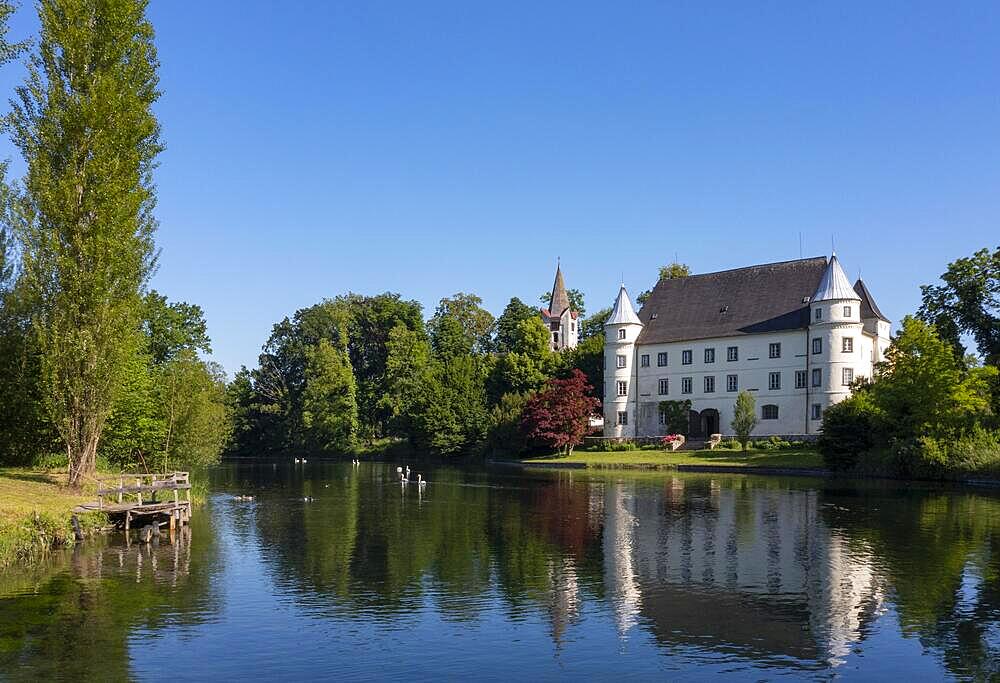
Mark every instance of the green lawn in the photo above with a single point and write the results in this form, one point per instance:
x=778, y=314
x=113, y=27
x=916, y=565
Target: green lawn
x=797, y=459
x=35, y=510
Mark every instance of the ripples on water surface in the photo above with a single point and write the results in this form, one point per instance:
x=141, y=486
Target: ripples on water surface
x=504, y=575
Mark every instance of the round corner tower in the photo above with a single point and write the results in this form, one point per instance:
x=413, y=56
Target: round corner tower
x=621, y=331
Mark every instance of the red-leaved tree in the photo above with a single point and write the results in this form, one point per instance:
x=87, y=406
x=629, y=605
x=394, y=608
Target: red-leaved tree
x=558, y=416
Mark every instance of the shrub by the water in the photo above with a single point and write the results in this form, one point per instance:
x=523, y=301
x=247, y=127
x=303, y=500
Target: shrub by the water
x=616, y=446
x=849, y=430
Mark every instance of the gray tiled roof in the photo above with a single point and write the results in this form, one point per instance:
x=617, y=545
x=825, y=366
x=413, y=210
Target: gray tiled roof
x=869, y=309
x=834, y=286
x=765, y=298
x=623, y=313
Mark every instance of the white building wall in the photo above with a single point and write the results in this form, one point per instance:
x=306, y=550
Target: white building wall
x=752, y=369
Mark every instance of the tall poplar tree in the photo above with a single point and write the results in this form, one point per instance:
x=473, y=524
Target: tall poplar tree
x=83, y=121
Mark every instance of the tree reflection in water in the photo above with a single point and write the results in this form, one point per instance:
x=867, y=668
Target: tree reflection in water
x=737, y=573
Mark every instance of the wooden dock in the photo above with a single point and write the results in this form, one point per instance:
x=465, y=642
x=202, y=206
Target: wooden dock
x=129, y=498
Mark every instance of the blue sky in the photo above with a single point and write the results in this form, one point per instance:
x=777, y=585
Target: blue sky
x=435, y=147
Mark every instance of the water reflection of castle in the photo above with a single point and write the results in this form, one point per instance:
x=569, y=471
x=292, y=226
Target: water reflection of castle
x=753, y=572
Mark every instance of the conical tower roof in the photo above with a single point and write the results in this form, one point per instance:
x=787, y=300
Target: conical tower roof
x=834, y=284
x=623, y=313
x=559, y=301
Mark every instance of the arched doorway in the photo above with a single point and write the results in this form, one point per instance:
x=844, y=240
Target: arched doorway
x=709, y=422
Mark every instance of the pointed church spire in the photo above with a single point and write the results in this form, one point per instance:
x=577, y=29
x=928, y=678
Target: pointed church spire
x=559, y=301
x=623, y=313
x=834, y=284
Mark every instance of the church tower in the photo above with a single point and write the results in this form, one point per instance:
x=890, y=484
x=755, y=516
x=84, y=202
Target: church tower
x=561, y=321
x=620, y=334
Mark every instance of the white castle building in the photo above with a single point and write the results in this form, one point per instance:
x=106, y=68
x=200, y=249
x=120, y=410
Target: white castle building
x=560, y=318
x=795, y=334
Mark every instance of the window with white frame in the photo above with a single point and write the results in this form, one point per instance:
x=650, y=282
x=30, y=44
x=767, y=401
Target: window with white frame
x=733, y=353
x=817, y=345
x=847, y=311
x=817, y=411
x=801, y=379
x=644, y=360
x=817, y=377
x=621, y=333
x=848, y=376
x=709, y=385
x=774, y=350
x=664, y=387
x=769, y=412
x=819, y=314
x=661, y=359
x=622, y=388
x=620, y=360
x=686, y=385
x=623, y=417
x=709, y=355
x=774, y=381
x=732, y=383
x=687, y=357
x=847, y=344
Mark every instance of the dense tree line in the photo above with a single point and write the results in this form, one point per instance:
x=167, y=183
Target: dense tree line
x=93, y=364
x=349, y=371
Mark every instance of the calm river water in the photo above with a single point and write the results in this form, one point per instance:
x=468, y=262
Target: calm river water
x=526, y=576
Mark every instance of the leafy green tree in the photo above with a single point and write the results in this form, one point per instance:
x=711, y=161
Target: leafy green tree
x=370, y=320
x=671, y=271
x=475, y=322
x=329, y=405
x=506, y=332
x=8, y=50
x=406, y=376
x=171, y=328
x=576, y=300
x=676, y=416
x=135, y=430
x=25, y=427
x=588, y=357
x=451, y=417
x=744, y=417
x=88, y=231
x=594, y=325
x=851, y=429
x=532, y=339
x=923, y=390
x=196, y=419
x=244, y=412
x=514, y=373
x=504, y=435
x=968, y=302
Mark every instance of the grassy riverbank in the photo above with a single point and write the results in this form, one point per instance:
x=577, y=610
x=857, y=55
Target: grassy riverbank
x=786, y=459
x=35, y=510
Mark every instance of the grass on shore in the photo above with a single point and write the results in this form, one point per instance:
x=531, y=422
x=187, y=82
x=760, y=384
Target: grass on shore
x=35, y=510
x=790, y=459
